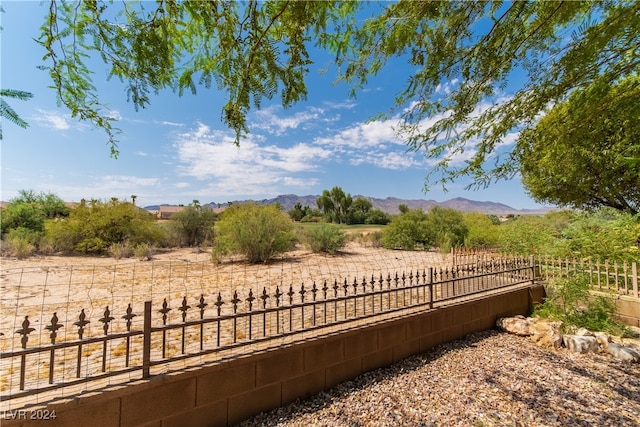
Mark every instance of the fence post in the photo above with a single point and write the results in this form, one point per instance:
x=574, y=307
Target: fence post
x=430, y=287
x=532, y=264
x=634, y=278
x=146, y=342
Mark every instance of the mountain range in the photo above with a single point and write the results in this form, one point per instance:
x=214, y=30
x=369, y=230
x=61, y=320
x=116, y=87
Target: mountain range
x=390, y=204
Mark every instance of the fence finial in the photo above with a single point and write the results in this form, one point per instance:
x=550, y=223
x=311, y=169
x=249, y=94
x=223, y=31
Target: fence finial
x=25, y=331
x=53, y=327
x=81, y=323
x=106, y=319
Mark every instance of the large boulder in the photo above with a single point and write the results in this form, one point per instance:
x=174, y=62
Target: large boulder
x=518, y=325
x=623, y=353
x=580, y=343
x=546, y=334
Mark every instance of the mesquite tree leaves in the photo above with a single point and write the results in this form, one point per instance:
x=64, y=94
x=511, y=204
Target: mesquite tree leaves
x=578, y=155
x=462, y=56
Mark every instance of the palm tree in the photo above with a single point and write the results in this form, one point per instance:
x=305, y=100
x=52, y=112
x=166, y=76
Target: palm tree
x=8, y=112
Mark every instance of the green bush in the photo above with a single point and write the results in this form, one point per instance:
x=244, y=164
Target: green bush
x=328, y=238
x=93, y=227
x=30, y=210
x=445, y=228
x=569, y=301
x=258, y=232
x=405, y=231
x=194, y=224
x=602, y=235
x=440, y=227
x=377, y=217
x=483, y=230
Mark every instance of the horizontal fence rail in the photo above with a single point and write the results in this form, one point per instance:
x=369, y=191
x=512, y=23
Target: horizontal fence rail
x=212, y=324
x=619, y=278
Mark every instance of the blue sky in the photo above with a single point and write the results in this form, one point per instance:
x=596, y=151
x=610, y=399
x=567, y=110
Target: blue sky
x=178, y=149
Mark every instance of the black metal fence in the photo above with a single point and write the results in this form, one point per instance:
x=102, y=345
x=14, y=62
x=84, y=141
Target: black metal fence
x=211, y=325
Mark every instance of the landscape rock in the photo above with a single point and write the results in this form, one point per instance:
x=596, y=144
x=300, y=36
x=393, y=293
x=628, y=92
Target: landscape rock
x=635, y=347
x=623, y=353
x=545, y=334
x=518, y=325
x=603, y=339
x=580, y=343
x=584, y=332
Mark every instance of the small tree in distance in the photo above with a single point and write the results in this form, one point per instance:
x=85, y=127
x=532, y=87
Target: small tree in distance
x=335, y=204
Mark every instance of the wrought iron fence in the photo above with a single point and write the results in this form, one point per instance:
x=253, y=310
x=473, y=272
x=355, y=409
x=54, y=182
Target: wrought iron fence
x=212, y=325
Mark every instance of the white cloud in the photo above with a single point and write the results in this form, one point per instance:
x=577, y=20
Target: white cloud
x=127, y=182
x=269, y=120
x=367, y=135
x=344, y=105
x=386, y=160
x=253, y=168
x=115, y=115
x=52, y=120
x=167, y=123
x=447, y=87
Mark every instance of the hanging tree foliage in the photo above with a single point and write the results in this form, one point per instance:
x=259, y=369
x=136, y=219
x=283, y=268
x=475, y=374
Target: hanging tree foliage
x=257, y=49
x=584, y=153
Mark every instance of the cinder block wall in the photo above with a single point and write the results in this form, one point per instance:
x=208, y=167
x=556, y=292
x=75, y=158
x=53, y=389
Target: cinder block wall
x=628, y=309
x=232, y=391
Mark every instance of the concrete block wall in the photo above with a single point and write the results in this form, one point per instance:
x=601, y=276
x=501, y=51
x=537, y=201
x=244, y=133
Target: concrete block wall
x=628, y=309
x=234, y=390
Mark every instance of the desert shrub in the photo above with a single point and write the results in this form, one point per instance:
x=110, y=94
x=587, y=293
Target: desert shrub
x=483, y=230
x=569, y=301
x=45, y=246
x=440, y=227
x=194, y=224
x=29, y=210
x=143, y=251
x=606, y=234
x=29, y=235
x=25, y=216
x=93, y=227
x=377, y=217
x=22, y=215
x=405, y=231
x=601, y=235
x=168, y=235
x=527, y=234
x=445, y=228
x=19, y=246
x=328, y=238
x=258, y=232
x=120, y=250
x=372, y=239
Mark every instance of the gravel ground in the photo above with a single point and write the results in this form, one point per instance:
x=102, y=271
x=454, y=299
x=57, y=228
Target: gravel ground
x=488, y=379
